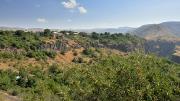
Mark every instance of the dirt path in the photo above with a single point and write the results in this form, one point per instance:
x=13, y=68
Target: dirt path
x=7, y=97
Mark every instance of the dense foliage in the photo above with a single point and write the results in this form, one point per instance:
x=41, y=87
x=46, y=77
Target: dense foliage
x=19, y=39
x=107, y=38
x=109, y=77
x=113, y=78
x=20, y=44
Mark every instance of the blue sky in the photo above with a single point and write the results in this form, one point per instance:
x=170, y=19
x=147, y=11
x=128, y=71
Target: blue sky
x=66, y=14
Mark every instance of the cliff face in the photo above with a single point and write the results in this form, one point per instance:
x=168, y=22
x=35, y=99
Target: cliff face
x=163, y=48
x=159, y=47
x=176, y=58
x=54, y=45
x=59, y=45
x=161, y=38
x=126, y=47
x=176, y=55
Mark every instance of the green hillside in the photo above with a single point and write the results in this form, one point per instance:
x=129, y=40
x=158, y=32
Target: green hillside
x=97, y=73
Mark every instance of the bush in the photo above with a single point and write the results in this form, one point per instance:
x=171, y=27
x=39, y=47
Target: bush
x=19, y=32
x=5, y=82
x=54, y=69
x=14, y=93
x=88, y=51
x=6, y=55
x=75, y=53
x=7, y=79
x=51, y=54
x=63, y=52
x=78, y=60
x=30, y=82
x=41, y=54
x=22, y=80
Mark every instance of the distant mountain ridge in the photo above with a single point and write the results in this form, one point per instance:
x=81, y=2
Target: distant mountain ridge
x=162, y=30
x=161, y=39
x=111, y=30
x=149, y=31
x=99, y=30
x=173, y=27
x=11, y=28
x=18, y=28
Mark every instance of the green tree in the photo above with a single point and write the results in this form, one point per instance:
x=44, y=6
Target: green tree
x=95, y=35
x=19, y=32
x=47, y=32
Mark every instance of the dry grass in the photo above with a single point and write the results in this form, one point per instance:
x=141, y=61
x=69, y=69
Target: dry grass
x=7, y=97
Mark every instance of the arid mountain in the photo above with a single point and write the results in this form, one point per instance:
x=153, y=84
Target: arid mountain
x=162, y=38
x=166, y=30
x=173, y=27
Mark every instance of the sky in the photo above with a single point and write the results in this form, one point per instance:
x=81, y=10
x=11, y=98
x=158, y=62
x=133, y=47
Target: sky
x=85, y=14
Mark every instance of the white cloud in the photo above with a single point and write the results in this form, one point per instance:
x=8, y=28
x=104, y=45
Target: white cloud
x=82, y=10
x=41, y=20
x=70, y=4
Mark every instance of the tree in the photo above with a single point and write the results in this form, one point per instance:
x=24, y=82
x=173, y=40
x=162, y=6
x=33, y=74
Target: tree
x=83, y=34
x=2, y=33
x=107, y=34
x=19, y=32
x=47, y=32
x=95, y=35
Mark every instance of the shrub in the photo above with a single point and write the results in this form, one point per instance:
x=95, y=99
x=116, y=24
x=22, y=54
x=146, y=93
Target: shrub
x=63, y=52
x=6, y=55
x=88, y=51
x=53, y=69
x=22, y=80
x=30, y=82
x=78, y=60
x=51, y=54
x=41, y=54
x=75, y=53
x=5, y=81
x=14, y=93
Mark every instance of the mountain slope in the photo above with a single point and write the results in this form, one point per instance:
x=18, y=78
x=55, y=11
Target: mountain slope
x=173, y=27
x=164, y=30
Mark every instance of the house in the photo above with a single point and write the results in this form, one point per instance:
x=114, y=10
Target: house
x=76, y=33
x=67, y=33
x=56, y=34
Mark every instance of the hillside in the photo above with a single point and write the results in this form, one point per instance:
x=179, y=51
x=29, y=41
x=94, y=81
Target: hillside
x=46, y=66
x=28, y=48
x=161, y=39
x=166, y=30
x=174, y=27
x=136, y=77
